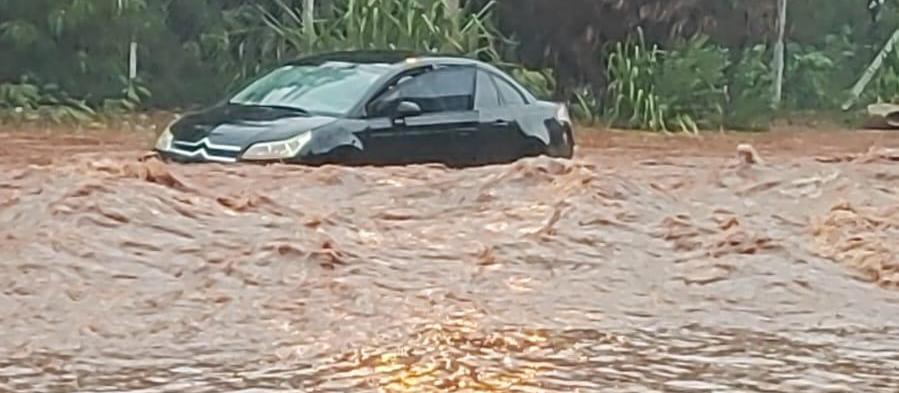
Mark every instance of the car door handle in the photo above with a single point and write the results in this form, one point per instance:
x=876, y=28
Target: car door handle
x=501, y=123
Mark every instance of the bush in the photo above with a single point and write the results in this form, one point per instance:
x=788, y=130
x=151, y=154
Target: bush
x=749, y=91
x=693, y=84
x=682, y=88
x=632, y=95
x=29, y=101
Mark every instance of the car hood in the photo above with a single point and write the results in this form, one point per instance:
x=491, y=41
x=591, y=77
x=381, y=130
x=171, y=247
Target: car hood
x=243, y=126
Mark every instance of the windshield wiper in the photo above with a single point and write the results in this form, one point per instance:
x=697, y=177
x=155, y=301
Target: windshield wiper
x=275, y=106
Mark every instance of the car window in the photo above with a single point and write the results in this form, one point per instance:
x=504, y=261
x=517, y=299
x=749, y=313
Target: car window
x=487, y=95
x=509, y=94
x=446, y=89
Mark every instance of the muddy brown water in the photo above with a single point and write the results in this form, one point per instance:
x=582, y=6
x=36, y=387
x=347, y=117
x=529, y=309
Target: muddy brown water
x=647, y=264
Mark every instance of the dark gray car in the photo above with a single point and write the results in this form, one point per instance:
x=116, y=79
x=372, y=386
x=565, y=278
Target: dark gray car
x=375, y=108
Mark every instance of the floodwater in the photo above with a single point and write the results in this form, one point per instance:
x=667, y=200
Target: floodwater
x=647, y=264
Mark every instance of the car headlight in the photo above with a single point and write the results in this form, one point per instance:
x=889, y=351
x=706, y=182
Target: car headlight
x=278, y=150
x=164, y=142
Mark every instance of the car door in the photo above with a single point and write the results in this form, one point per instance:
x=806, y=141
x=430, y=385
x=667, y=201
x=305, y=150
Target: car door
x=499, y=136
x=445, y=97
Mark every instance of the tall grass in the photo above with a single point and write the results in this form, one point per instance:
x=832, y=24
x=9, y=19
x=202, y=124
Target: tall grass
x=678, y=89
x=418, y=25
x=689, y=86
x=633, y=101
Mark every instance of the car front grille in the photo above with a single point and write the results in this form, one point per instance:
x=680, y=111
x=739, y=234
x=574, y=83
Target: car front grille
x=204, y=149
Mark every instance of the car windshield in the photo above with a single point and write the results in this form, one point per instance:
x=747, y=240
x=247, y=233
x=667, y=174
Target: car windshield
x=327, y=88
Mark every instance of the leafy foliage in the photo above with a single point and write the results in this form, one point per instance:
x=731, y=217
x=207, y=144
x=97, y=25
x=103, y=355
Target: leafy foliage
x=632, y=91
x=75, y=43
x=811, y=83
x=692, y=78
x=749, y=91
x=83, y=46
x=689, y=86
x=27, y=100
x=885, y=87
x=191, y=52
x=682, y=88
x=419, y=25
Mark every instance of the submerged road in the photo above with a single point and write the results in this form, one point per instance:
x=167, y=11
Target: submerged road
x=647, y=264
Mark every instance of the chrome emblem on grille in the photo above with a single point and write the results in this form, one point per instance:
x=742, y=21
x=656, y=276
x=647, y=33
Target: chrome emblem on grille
x=201, y=149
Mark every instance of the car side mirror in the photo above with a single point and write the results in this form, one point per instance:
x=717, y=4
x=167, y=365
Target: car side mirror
x=407, y=109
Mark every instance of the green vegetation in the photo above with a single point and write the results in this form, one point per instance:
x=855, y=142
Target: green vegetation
x=68, y=60
x=424, y=26
x=686, y=87
x=28, y=101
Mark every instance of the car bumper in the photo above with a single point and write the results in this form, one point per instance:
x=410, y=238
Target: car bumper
x=199, y=156
x=205, y=157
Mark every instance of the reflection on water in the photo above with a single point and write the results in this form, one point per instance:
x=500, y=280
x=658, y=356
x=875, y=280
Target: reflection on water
x=618, y=272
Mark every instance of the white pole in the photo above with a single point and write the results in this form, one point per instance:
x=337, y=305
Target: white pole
x=779, y=52
x=309, y=18
x=132, y=60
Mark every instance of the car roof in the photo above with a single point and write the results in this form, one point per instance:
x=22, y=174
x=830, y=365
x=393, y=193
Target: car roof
x=399, y=58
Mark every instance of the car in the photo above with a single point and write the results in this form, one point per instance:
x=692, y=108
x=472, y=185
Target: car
x=374, y=108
